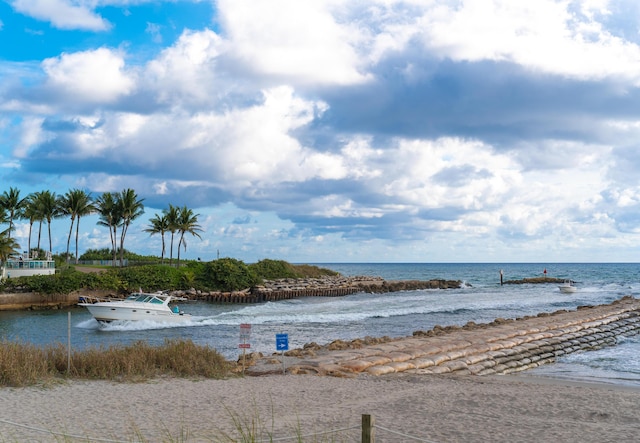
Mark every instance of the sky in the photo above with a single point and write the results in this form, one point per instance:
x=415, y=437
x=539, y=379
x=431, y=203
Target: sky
x=334, y=131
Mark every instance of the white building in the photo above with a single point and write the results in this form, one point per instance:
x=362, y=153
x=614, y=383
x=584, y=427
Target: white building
x=25, y=266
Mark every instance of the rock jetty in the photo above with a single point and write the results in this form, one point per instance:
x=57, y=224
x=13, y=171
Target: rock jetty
x=330, y=286
x=501, y=347
x=271, y=290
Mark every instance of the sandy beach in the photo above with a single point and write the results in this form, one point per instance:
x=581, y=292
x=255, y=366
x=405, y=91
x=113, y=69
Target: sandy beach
x=434, y=408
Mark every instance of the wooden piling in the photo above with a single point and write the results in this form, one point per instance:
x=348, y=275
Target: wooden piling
x=368, y=429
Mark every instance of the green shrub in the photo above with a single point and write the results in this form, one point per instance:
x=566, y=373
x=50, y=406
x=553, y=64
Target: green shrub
x=225, y=274
x=268, y=269
x=311, y=271
x=229, y=274
x=149, y=278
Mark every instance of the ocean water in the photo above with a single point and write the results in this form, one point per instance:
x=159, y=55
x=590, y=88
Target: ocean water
x=324, y=319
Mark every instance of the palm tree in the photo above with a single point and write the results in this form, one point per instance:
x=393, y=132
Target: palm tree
x=8, y=246
x=45, y=205
x=187, y=223
x=50, y=209
x=109, y=217
x=159, y=225
x=75, y=203
x=13, y=204
x=30, y=212
x=131, y=208
x=172, y=215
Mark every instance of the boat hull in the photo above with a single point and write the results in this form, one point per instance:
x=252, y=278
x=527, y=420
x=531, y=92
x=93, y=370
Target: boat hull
x=567, y=289
x=108, y=312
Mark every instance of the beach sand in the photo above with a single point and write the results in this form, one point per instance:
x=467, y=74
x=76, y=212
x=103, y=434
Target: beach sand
x=434, y=408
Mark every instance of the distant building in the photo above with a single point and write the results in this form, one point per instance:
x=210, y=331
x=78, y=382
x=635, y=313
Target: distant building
x=25, y=266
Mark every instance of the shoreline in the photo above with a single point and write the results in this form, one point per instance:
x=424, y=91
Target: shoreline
x=433, y=408
x=271, y=290
x=503, y=346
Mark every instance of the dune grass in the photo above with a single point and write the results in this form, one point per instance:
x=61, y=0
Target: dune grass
x=25, y=364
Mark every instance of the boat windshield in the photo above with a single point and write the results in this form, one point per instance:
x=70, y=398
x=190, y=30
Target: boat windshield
x=145, y=298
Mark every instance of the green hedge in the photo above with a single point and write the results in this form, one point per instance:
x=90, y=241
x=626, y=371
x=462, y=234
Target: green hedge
x=225, y=274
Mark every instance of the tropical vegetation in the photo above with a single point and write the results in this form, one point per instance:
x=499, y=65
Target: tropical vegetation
x=116, y=211
x=225, y=274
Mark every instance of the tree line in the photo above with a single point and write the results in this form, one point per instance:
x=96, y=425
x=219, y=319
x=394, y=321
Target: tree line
x=116, y=211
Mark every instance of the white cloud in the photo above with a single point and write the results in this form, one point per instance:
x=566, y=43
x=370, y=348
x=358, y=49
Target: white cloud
x=154, y=30
x=556, y=37
x=448, y=172
x=300, y=41
x=63, y=14
x=95, y=76
x=30, y=134
x=185, y=72
x=245, y=114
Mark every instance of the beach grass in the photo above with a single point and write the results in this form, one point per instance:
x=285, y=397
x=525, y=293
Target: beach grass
x=23, y=364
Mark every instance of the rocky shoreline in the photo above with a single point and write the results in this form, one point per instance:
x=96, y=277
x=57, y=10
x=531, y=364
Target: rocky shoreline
x=330, y=286
x=271, y=290
x=501, y=347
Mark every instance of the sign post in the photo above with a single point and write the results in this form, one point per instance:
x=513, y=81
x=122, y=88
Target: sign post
x=245, y=335
x=282, y=344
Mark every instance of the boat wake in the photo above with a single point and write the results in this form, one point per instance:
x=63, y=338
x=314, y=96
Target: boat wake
x=143, y=325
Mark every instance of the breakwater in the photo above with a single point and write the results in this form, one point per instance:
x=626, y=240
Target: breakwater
x=501, y=347
x=285, y=289
x=271, y=290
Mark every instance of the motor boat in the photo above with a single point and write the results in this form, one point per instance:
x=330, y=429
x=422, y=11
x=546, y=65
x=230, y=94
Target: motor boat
x=567, y=287
x=137, y=306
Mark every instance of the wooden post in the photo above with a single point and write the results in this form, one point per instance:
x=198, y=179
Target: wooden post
x=368, y=430
x=69, y=343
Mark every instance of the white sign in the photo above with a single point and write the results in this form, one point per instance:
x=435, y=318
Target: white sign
x=245, y=331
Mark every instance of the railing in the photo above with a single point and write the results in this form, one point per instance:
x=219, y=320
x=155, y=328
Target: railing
x=30, y=264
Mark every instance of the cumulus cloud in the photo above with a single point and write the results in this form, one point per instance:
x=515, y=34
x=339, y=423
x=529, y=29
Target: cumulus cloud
x=95, y=76
x=299, y=41
x=63, y=14
x=562, y=38
x=380, y=120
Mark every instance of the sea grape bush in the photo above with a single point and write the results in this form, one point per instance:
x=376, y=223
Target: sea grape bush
x=225, y=274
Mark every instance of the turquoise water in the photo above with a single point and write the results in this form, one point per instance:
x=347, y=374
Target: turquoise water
x=323, y=319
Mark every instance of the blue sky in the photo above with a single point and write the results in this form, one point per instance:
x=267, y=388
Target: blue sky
x=335, y=131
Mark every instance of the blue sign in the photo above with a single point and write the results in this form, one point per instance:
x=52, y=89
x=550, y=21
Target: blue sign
x=282, y=342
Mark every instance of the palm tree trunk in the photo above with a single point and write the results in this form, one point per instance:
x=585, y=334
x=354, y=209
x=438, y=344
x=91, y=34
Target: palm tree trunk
x=77, y=233
x=39, y=235
x=171, y=251
x=122, y=235
x=69, y=241
x=29, y=241
x=179, y=244
x=49, y=230
x=114, y=244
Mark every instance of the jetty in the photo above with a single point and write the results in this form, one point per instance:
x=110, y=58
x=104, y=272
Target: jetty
x=328, y=286
x=270, y=290
x=501, y=347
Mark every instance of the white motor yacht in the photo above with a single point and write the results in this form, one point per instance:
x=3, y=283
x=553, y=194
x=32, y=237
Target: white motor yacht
x=138, y=306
